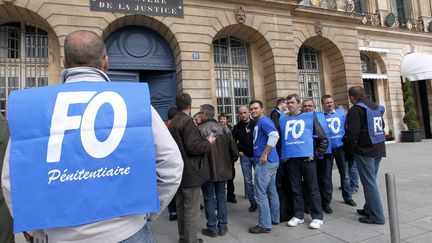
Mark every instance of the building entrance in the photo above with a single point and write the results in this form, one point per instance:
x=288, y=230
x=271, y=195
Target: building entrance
x=139, y=54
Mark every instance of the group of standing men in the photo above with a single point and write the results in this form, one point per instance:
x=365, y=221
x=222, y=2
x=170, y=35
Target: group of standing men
x=289, y=153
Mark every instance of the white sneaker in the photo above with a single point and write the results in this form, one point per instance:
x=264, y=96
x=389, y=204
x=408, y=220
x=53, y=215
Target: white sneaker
x=295, y=221
x=316, y=224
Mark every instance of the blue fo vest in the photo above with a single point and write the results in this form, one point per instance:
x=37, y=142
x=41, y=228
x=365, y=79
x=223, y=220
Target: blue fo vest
x=336, y=125
x=375, y=123
x=263, y=127
x=323, y=122
x=297, y=135
x=80, y=153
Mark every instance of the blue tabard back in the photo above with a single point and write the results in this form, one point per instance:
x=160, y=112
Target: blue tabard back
x=375, y=123
x=297, y=135
x=336, y=125
x=278, y=111
x=323, y=122
x=263, y=127
x=80, y=153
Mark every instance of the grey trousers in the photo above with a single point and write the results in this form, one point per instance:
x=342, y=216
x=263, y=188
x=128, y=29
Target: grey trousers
x=6, y=225
x=188, y=213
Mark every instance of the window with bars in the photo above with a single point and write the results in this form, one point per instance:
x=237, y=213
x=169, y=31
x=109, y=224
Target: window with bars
x=232, y=75
x=309, y=75
x=23, y=59
x=367, y=64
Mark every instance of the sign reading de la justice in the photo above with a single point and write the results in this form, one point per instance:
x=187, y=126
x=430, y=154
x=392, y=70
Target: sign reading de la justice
x=167, y=8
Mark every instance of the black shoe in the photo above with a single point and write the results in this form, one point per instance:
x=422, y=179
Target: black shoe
x=232, y=199
x=223, y=232
x=172, y=216
x=275, y=223
x=362, y=212
x=351, y=202
x=327, y=209
x=258, y=230
x=253, y=207
x=368, y=220
x=209, y=233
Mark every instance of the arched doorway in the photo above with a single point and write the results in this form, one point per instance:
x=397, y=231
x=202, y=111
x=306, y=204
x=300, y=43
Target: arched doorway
x=139, y=54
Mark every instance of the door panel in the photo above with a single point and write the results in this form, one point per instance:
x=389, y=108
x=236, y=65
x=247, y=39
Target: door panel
x=161, y=85
x=162, y=91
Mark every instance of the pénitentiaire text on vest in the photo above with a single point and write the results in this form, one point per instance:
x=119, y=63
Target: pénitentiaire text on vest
x=65, y=176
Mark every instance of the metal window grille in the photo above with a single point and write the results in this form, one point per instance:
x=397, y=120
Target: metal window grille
x=232, y=75
x=309, y=75
x=23, y=59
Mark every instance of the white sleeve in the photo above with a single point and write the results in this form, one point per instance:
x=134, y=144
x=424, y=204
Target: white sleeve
x=169, y=162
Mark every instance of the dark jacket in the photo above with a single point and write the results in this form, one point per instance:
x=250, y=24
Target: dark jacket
x=224, y=151
x=357, y=138
x=243, y=135
x=275, y=116
x=321, y=141
x=192, y=148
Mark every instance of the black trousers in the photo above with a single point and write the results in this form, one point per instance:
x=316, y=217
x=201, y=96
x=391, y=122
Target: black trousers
x=230, y=184
x=299, y=170
x=324, y=174
x=283, y=187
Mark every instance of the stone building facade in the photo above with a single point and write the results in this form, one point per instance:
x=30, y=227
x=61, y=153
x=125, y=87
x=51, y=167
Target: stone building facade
x=229, y=51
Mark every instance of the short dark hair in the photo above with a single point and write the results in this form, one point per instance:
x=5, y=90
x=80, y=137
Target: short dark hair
x=224, y=115
x=84, y=48
x=209, y=110
x=308, y=100
x=295, y=96
x=183, y=101
x=259, y=102
x=280, y=100
x=324, y=97
x=172, y=112
x=357, y=92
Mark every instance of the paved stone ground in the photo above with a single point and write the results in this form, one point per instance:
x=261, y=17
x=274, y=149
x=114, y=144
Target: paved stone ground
x=410, y=162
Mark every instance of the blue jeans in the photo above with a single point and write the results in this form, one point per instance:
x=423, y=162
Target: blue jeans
x=144, y=235
x=215, y=199
x=266, y=194
x=247, y=163
x=354, y=178
x=343, y=168
x=368, y=170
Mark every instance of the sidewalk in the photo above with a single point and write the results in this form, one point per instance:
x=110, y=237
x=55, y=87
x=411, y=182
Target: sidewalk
x=410, y=162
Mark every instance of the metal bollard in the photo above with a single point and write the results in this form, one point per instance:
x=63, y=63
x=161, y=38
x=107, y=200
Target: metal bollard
x=392, y=208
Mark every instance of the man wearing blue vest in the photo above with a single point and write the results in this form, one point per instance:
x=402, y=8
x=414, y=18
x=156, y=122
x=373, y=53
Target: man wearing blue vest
x=365, y=144
x=324, y=164
x=336, y=124
x=303, y=140
x=96, y=160
x=266, y=161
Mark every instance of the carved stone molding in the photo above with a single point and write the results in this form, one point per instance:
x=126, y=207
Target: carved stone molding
x=318, y=28
x=366, y=41
x=240, y=15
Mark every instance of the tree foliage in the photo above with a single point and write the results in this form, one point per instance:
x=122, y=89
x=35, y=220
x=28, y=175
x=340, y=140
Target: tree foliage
x=410, y=118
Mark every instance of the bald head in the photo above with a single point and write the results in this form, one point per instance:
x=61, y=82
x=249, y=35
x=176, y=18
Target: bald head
x=85, y=48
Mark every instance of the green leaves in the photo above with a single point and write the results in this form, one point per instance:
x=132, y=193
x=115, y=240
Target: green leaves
x=410, y=118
